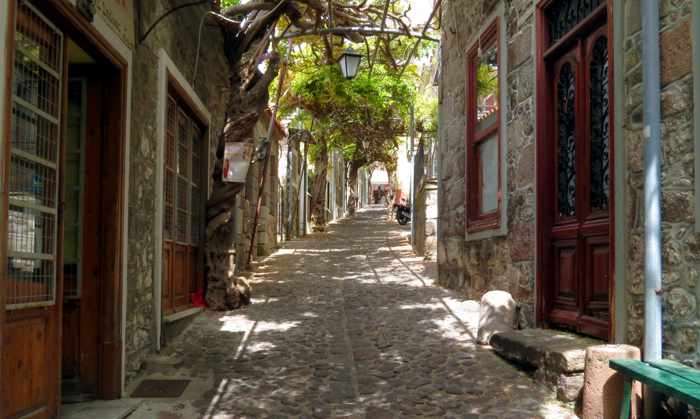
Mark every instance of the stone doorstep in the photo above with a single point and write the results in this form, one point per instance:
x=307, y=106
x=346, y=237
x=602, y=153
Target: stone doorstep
x=557, y=358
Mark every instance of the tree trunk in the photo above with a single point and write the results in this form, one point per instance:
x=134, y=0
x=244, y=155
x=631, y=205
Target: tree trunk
x=248, y=97
x=318, y=187
x=352, y=187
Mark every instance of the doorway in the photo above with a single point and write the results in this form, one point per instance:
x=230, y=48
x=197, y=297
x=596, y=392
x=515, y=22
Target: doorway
x=82, y=162
x=575, y=187
x=64, y=152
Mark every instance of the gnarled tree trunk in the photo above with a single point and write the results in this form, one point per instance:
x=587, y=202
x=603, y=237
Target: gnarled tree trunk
x=352, y=186
x=318, y=187
x=248, y=98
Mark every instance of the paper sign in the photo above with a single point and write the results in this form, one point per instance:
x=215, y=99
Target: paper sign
x=236, y=161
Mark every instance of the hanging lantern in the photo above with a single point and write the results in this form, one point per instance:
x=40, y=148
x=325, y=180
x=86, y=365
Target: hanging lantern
x=350, y=63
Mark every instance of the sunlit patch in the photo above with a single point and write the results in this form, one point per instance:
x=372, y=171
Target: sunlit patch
x=434, y=306
x=258, y=301
x=309, y=315
x=260, y=346
x=239, y=324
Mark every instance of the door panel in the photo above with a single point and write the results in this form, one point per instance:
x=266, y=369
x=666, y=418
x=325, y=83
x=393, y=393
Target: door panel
x=26, y=362
x=181, y=277
x=167, y=276
x=577, y=221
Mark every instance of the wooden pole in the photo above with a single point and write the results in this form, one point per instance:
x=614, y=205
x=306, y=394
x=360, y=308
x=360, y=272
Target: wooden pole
x=271, y=126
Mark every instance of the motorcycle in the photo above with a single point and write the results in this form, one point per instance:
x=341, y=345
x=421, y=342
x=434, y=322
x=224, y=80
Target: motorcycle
x=403, y=213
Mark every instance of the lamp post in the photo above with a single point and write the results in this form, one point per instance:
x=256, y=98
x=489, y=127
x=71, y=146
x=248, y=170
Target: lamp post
x=350, y=63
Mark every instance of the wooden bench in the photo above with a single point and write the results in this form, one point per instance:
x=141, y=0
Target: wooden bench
x=668, y=377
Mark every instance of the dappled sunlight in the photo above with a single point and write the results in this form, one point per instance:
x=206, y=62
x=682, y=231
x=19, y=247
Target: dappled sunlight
x=345, y=326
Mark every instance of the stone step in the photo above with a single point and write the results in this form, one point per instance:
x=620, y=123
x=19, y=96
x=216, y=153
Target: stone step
x=556, y=357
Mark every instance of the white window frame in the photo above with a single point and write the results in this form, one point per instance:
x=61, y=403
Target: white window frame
x=169, y=73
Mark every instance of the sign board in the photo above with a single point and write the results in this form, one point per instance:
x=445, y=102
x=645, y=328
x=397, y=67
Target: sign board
x=237, y=158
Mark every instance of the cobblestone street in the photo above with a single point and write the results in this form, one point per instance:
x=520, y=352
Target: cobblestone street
x=345, y=323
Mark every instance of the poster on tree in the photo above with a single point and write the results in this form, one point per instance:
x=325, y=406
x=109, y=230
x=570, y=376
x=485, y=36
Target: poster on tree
x=236, y=161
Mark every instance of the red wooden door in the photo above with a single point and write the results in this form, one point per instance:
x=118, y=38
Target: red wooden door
x=578, y=204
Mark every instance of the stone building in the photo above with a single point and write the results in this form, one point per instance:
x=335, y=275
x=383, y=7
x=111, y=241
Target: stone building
x=541, y=166
x=104, y=203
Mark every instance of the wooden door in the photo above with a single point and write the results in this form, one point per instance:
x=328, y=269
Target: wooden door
x=31, y=333
x=578, y=204
x=82, y=248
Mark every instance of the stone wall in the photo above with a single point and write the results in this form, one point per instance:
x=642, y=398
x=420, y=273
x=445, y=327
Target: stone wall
x=681, y=245
x=177, y=36
x=505, y=261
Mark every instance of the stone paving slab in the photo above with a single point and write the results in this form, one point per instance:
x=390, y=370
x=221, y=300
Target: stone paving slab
x=346, y=323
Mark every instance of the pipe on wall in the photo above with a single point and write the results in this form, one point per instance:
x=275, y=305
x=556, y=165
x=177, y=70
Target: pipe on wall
x=652, y=191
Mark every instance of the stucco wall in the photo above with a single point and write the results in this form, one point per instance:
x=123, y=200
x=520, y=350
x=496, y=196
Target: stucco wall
x=506, y=261
x=177, y=35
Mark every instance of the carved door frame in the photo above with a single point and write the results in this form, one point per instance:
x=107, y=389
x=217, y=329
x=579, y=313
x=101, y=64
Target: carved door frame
x=548, y=51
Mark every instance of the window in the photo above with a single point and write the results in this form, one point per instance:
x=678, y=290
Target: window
x=184, y=196
x=34, y=161
x=183, y=183
x=483, y=179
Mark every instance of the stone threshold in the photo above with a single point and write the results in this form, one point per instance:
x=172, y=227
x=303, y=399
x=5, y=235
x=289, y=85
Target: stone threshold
x=557, y=358
x=183, y=314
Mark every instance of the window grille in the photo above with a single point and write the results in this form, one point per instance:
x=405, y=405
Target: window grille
x=184, y=152
x=169, y=213
x=33, y=191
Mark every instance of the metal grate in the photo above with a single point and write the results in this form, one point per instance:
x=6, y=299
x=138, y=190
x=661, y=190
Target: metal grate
x=168, y=210
x=33, y=190
x=182, y=217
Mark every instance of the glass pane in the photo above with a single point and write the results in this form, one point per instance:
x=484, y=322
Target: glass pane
x=487, y=88
x=168, y=212
x=196, y=217
x=30, y=231
x=35, y=85
x=183, y=147
x=33, y=134
x=72, y=181
x=600, y=126
x=566, y=139
x=488, y=173
x=32, y=182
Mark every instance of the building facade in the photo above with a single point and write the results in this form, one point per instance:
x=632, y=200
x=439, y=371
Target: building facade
x=541, y=164
x=109, y=126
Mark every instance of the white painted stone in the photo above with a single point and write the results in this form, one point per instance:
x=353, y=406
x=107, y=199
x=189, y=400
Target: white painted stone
x=496, y=314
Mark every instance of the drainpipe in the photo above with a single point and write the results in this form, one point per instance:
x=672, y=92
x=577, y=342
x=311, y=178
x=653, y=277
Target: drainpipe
x=652, y=192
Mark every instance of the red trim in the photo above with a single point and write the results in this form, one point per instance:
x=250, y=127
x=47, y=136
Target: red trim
x=476, y=220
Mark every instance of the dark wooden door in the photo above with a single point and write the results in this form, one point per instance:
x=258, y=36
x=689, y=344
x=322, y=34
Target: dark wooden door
x=32, y=287
x=579, y=198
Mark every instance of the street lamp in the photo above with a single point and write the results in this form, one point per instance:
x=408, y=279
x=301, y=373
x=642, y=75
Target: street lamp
x=350, y=63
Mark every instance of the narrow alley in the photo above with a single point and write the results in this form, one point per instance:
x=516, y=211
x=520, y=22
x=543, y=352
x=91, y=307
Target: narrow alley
x=345, y=323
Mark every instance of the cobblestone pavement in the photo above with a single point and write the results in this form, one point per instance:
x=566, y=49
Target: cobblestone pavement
x=346, y=324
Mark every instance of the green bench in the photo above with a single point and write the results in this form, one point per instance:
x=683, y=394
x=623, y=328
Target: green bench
x=668, y=377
